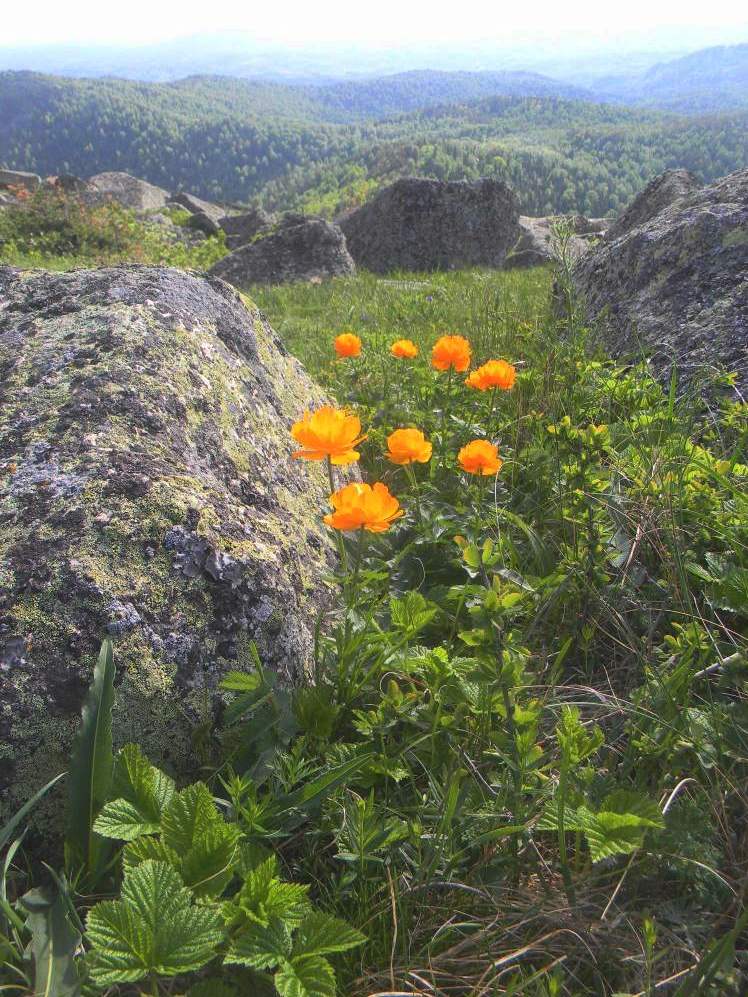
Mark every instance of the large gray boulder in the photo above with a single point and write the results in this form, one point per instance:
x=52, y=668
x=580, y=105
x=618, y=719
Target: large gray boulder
x=147, y=492
x=241, y=229
x=298, y=249
x=19, y=178
x=660, y=193
x=130, y=192
x=536, y=245
x=197, y=206
x=676, y=285
x=417, y=224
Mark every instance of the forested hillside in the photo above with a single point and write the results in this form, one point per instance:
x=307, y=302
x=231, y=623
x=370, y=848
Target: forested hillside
x=711, y=79
x=313, y=147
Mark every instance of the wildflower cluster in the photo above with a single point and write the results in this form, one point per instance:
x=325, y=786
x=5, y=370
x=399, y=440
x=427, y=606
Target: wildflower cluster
x=332, y=434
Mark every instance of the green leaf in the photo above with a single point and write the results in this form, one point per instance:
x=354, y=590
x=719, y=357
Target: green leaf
x=122, y=820
x=141, y=794
x=306, y=976
x=91, y=765
x=261, y=947
x=411, y=613
x=619, y=827
x=209, y=865
x=54, y=942
x=320, y=934
x=153, y=929
x=211, y=988
x=146, y=848
x=188, y=817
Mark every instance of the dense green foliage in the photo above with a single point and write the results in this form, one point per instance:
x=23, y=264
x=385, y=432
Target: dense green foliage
x=237, y=140
x=520, y=766
x=58, y=231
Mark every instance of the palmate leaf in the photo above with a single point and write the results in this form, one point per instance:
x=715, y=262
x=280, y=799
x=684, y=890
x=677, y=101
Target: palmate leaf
x=320, y=934
x=141, y=793
x=153, y=929
x=261, y=947
x=188, y=817
x=209, y=865
x=305, y=976
x=146, y=848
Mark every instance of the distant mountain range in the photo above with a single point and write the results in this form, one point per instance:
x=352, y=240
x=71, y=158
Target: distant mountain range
x=713, y=79
x=325, y=147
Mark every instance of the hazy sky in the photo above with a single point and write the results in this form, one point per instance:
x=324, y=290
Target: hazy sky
x=305, y=23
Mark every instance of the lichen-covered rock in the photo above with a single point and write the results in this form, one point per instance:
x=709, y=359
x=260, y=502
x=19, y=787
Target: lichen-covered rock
x=417, y=224
x=242, y=229
x=660, y=193
x=536, y=243
x=197, y=206
x=131, y=192
x=146, y=493
x=298, y=249
x=19, y=178
x=676, y=286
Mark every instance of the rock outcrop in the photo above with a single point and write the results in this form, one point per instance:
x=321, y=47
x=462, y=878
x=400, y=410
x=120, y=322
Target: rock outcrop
x=298, y=249
x=418, y=225
x=18, y=178
x=241, y=229
x=197, y=206
x=660, y=193
x=676, y=285
x=535, y=245
x=129, y=191
x=147, y=493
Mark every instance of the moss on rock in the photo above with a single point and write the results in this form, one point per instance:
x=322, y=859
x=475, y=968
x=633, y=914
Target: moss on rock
x=146, y=493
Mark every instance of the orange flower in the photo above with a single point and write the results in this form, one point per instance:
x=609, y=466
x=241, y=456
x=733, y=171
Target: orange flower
x=451, y=351
x=347, y=344
x=359, y=506
x=493, y=374
x=328, y=432
x=480, y=457
x=408, y=445
x=404, y=349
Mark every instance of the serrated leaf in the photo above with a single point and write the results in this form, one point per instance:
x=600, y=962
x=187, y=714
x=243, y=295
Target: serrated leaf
x=619, y=827
x=288, y=901
x=122, y=820
x=209, y=865
x=153, y=929
x=146, y=848
x=306, y=976
x=321, y=934
x=261, y=947
x=136, y=779
x=188, y=817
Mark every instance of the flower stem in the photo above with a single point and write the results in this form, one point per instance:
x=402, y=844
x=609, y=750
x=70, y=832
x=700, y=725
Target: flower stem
x=411, y=473
x=442, y=426
x=338, y=536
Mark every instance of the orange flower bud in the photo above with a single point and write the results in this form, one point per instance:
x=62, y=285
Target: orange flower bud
x=451, y=351
x=493, y=374
x=328, y=432
x=404, y=349
x=408, y=445
x=480, y=457
x=347, y=344
x=359, y=506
